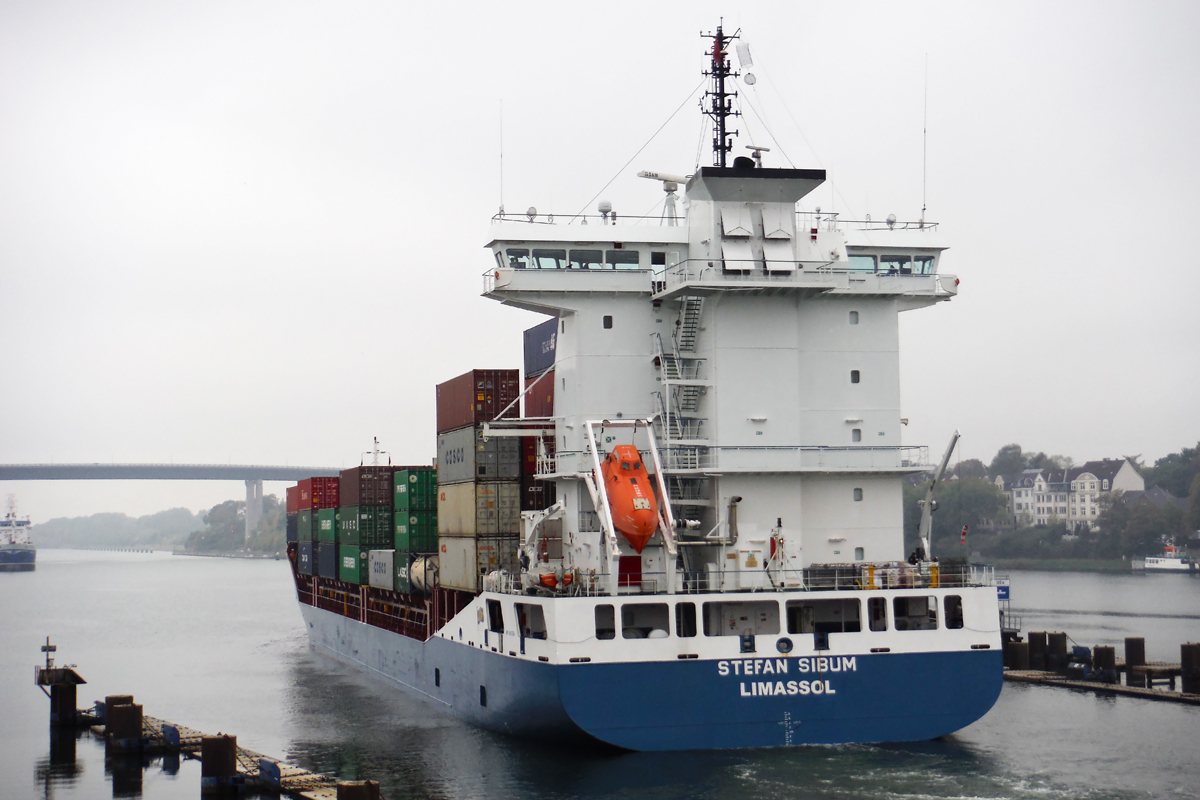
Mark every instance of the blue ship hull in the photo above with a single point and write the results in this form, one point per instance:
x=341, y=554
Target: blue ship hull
x=21, y=559
x=682, y=704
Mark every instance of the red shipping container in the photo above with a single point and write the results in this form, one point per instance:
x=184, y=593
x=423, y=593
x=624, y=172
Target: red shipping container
x=293, y=499
x=317, y=493
x=477, y=396
x=539, y=401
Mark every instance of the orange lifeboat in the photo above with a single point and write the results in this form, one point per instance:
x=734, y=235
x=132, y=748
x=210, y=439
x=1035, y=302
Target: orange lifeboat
x=630, y=495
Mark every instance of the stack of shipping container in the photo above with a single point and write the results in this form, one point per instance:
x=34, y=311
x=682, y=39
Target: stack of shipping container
x=313, y=503
x=479, y=481
x=373, y=523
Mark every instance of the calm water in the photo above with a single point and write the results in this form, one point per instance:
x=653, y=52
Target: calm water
x=218, y=644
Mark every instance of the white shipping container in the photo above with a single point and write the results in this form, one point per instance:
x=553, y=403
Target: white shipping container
x=463, y=563
x=464, y=456
x=479, y=509
x=380, y=568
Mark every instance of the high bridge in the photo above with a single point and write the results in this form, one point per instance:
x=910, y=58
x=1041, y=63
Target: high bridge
x=252, y=474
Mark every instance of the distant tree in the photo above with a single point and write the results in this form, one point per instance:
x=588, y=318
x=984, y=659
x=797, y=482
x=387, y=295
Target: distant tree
x=1009, y=460
x=1063, y=462
x=225, y=529
x=971, y=468
x=1191, y=520
x=1040, y=461
x=1174, y=472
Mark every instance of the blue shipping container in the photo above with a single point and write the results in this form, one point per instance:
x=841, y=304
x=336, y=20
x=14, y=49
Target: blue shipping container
x=540, y=342
x=304, y=558
x=327, y=560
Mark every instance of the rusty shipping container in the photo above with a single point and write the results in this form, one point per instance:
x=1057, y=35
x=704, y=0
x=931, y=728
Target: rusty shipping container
x=317, y=493
x=293, y=499
x=477, y=396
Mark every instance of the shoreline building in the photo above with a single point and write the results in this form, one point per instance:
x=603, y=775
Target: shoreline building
x=1044, y=496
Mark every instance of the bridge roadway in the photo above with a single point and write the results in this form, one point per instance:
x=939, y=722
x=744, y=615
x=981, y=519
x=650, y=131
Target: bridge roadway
x=160, y=472
x=252, y=474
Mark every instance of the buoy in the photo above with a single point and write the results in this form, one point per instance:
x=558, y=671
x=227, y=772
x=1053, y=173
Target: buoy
x=630, y=496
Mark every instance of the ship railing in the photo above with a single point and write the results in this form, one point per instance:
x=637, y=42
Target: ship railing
x=821, y=275
x=611, y=218
x=814, y=578
x=807, y=220
x=795, y=457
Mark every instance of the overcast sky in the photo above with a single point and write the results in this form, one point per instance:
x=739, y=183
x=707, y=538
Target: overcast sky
x=252, y=232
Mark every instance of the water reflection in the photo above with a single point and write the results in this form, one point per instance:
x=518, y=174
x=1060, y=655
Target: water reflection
x=63, y=767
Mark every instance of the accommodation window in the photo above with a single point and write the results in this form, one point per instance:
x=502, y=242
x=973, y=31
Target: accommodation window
x=741, y=618
x=877, y=613
x=856, y=435
x=685, y=620
x=853, y=317
x=532, y=620
x=607, y=321
x=824, y=616
x=857, y=493
x=954, y=611
x=606, y=622
x=858, y=554
x=645, y=621
x=495, y=617
x=854, y=376
x=915, y=613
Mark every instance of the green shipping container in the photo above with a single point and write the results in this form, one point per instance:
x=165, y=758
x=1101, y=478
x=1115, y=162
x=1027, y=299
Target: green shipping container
x=416, y=490
x=416, y=532
x=353, y=564
x=402, y=564
x=306, y=525
x=327, y=525
x=365, y=525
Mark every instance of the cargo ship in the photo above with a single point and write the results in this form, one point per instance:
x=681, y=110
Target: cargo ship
x=17, y=552
x=682, y=527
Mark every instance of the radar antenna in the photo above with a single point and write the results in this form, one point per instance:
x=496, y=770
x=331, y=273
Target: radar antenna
x=720, y=106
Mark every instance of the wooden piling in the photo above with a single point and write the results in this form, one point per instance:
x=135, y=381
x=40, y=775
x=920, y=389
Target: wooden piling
x=358, y=790
x=1104, y=657
x=1018, y=655
x=1037, y=650
x=1189, y=663
x=218, y=763
x=123, y=726
x=1135, y=656
x=116, y=700
x=63, y=702
x=1056, y=652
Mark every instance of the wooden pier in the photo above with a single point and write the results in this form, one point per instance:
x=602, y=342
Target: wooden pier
x=1044, y=678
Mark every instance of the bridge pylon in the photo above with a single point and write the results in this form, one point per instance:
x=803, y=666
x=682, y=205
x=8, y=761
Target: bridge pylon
x=254, y=506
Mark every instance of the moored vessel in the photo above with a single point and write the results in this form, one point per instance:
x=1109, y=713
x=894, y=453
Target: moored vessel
x=693, y=537
x=1170, y=561
x=17, y=551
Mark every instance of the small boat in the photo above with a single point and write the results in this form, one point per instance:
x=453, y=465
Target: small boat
x=1170, y=561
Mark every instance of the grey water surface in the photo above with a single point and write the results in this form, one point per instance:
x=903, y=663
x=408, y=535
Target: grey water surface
x=219, y=645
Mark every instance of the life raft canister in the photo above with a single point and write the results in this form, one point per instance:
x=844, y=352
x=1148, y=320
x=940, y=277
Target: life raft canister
x=630, y=495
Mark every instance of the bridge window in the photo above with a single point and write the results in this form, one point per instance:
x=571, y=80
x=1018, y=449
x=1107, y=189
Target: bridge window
x=915, y=613
x=499, y=260
x=895, y=265
x=954, y=611
x=922, y=265
x=550, y=259
x=606, y=622
x=621, y=259
x=587, y=259
x=645, y=621
x=518, y=258
x=862, y=263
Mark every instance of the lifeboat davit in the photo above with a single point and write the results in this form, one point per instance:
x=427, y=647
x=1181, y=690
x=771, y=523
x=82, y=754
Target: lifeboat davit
x=630, y=495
